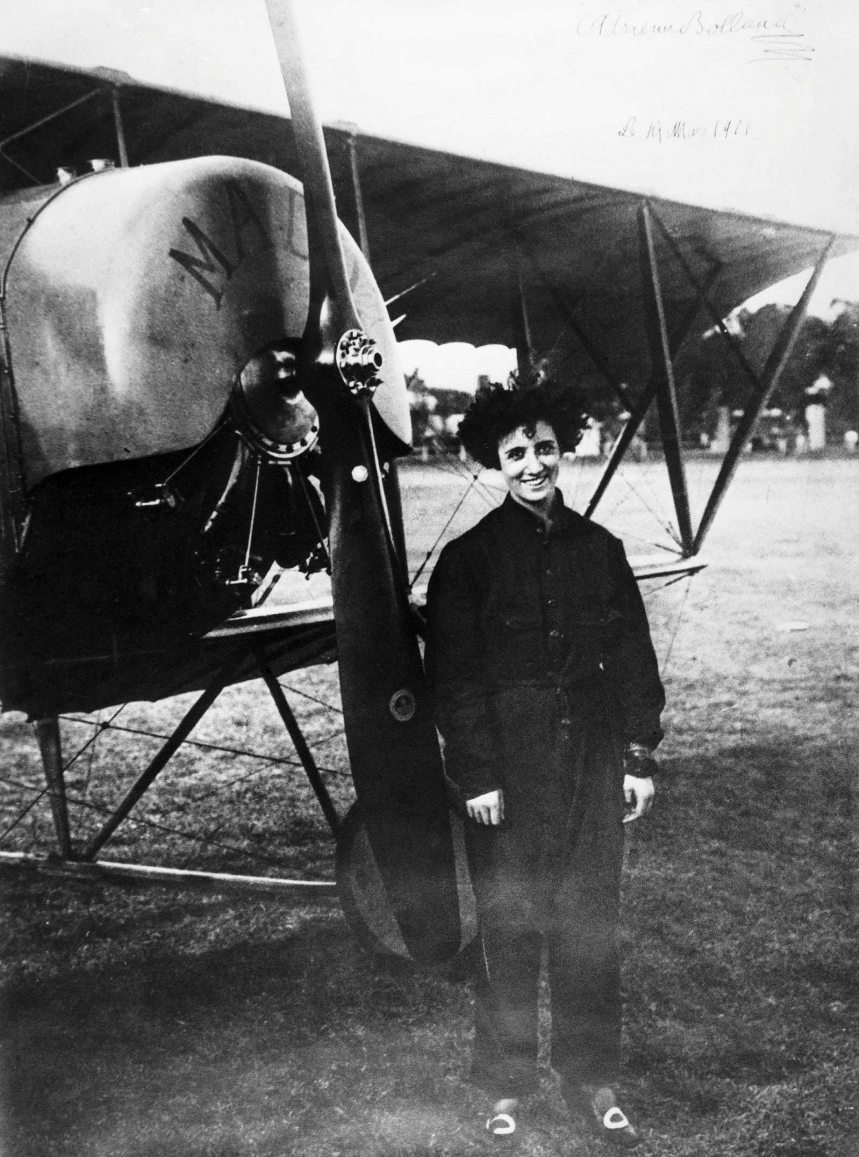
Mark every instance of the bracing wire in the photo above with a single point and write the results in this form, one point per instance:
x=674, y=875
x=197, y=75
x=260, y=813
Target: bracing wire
x=338, y=734
x=253, y=519
x=104, y=725
x=191, y=455
x=234, y=780
x=678, y=618
x=443, y=531
x=19, y=819
x=100, y=727
x=312, y=698
x=267, y=760
x=12, y=161
x=450, y=463
x=155, y=826
x=379, y=484
x=90, y=743
x=489, y=493
x=657, y=515
x=319, y=532
x=88, y=774
x=203, y=745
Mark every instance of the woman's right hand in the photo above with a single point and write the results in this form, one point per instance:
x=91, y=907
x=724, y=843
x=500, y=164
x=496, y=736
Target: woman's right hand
x=486, y=809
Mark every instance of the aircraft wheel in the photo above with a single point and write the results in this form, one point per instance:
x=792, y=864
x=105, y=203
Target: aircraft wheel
x=362, y=894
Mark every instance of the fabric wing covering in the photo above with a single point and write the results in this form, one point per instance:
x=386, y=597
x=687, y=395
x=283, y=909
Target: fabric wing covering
x=455, y=243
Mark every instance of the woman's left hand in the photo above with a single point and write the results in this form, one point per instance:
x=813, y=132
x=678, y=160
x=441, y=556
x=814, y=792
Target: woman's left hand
x=487, y=809
x=638, y=794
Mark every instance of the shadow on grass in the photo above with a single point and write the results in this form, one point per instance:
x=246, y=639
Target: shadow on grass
x=741, y=975
x=242, y=1048
x=152, y=1024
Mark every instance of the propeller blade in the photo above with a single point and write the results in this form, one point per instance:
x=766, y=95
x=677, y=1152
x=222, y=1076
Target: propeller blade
x=391, y=737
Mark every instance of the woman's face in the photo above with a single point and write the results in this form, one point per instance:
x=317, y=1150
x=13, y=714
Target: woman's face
x=530, y=460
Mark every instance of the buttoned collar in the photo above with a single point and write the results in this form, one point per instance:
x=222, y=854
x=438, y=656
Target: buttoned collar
x=563, y=521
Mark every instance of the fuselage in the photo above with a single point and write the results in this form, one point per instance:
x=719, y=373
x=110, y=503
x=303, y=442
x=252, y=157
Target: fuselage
x=155, y=466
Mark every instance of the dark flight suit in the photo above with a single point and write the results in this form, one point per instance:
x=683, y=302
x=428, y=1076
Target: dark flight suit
x=542, y=667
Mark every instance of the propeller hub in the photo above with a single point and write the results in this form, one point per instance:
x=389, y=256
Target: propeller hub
x=359, y=360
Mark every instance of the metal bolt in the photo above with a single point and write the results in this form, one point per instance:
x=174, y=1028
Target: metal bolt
x=403, y=705
x=359, y=361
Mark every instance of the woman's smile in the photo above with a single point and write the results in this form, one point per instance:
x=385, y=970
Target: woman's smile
x=530, y=460
x=536, y=481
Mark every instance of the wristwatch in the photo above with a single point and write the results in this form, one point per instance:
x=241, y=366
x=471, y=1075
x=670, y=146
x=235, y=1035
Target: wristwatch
x=638, y=761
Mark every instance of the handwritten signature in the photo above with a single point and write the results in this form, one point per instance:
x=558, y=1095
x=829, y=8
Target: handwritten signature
x=775, y=38
x=665, y=131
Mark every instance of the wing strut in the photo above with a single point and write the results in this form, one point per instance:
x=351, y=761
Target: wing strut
x=519, y=315
x=180, y=734
x=775, y=364
x=567, y=308
x=678, y=336
x=298, y=742
x=666, y=395
x=704, y=292
x=352, y=145
x=121, y=147
x=48, y=736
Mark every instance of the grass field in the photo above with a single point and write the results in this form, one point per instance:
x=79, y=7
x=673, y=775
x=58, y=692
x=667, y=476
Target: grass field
x=145, y=1022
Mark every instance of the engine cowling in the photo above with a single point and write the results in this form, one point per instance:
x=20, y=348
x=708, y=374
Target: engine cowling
x=135, y=298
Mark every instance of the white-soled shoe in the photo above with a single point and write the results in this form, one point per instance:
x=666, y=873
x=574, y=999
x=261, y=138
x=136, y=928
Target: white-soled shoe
x=501, y=1124
x=598, y=1104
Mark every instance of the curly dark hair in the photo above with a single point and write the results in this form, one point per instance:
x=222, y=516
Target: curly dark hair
x=496, y=411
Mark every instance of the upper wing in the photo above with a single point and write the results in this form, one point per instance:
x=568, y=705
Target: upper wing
x=52, y=115
x=468, y=233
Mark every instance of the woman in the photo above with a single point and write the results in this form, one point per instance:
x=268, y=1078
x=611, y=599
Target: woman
x=548, y=699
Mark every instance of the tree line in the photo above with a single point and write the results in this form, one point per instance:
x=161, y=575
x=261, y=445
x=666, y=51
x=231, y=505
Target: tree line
x=823, y=367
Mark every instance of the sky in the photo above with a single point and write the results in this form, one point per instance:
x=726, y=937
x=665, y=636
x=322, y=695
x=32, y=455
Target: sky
x=744, y=107
x=747, y=109
x=456, y=366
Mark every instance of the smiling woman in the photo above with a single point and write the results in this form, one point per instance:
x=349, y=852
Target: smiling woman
x=548, y=697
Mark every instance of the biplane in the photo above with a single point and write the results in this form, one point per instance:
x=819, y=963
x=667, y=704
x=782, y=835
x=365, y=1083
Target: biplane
x=199, y=390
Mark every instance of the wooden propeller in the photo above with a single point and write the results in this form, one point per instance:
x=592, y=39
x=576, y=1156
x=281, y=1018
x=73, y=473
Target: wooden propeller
x=391, y=738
